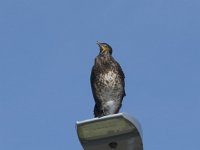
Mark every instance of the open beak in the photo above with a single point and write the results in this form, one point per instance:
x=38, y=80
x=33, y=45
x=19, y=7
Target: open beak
x=102, y=49
x=98, y=43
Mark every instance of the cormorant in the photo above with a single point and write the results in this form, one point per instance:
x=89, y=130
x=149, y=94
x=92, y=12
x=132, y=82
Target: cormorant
x=107, y=82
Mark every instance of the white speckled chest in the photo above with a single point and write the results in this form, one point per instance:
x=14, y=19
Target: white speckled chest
x=109, y=79
x=110, y=89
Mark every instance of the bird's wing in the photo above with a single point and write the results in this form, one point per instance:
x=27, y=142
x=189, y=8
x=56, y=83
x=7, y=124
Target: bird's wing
x=92, y=81
x=121, y=74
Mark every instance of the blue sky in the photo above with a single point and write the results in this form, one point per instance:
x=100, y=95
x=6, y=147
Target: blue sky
x=47, y=49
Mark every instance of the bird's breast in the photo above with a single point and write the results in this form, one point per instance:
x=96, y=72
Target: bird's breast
x=109, y=78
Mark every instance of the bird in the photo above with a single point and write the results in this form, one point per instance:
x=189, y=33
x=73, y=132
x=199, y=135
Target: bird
x=107, y=82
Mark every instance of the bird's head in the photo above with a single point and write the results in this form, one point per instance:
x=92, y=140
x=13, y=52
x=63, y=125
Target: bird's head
x=105, y=48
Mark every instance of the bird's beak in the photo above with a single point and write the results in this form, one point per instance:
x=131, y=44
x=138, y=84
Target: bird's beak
x=102, y=48
x=98, y=43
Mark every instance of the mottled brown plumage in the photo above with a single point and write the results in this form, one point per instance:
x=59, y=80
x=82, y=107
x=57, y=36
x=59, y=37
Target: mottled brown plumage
x=107, y=82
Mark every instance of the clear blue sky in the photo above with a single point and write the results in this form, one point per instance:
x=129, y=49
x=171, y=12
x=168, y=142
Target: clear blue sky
x=47, y=49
